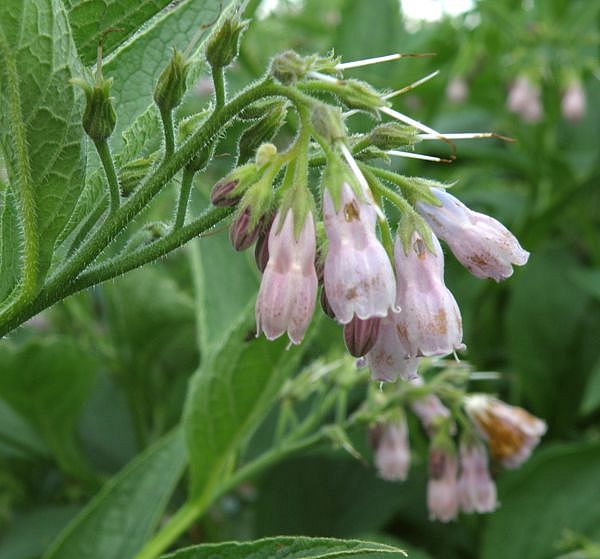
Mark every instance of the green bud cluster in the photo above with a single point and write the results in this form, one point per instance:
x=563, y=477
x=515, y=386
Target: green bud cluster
x=289, y=67
x=262, y=130
x=392, y=135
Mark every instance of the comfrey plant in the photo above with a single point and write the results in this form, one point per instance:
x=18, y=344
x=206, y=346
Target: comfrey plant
x=314, y=210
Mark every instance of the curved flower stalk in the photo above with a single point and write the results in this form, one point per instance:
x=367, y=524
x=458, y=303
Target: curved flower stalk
x=480, y=243
x=358, y=276
x=288, y=290
x=429, y=322
x=511, y=432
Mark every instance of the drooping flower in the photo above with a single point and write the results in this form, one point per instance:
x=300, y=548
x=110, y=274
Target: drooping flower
x=358, y=275
x=511, y=432
x=524, y=99
x=476, y=489
x=573, y=102
x=286, y=298
x=360, y=335
x=392, y=453
x=457, y=90
x=430, y=322
x=389, y=358
x=481, y=243
x=442, y=487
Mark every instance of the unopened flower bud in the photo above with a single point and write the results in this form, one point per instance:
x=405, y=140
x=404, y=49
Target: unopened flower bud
x=360, y=335
x=358, y=95
x=242, y=232
x=171, y=85
x=260, y=109
x=392, y=135
x=573, y=102
x=265, y=154
x=223, y=46
x=263, y=130
x=288, y=67
x=261, y=249
x=328, y=122
x=230, y=189
x=99, y=117
x=392, y=453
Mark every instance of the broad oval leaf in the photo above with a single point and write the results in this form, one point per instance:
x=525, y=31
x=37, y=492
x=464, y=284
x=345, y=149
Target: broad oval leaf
x=40, y=104
x=117, y=522
x=290, y=548
x=91, y=19
x=555, y=492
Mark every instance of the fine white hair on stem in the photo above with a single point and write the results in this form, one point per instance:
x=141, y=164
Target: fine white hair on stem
x=364, y=185
x=411, y=155
x=412, y=85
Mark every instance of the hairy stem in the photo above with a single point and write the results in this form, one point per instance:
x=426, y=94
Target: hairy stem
x=218, y=77
x=111, y=175
x=184, y=196
x=169, y=133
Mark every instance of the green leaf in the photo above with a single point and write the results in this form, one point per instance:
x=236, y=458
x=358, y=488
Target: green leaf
x=90, y=19
x=228, y=397
x=221, y=302
x=41, y=103
x=17, y=438
x=47, y=382
x=117, y=522
x=136, y=67
x=591, y=395
x=289, y=548
x=29, y=534
x=9, y=244
x=529, y=523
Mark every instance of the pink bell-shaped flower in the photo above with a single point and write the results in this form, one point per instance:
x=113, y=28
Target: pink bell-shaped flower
x=430, y=322
x=476, y=489
x=573, y=102
x=389, y=358
x=392, y=453
x=288, y=290
x=442, y=487
x=524, y=99
x=358, y=276
x=480, y=243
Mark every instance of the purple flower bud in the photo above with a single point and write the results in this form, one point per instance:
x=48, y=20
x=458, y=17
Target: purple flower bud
x=360, y=335
x=573, y=103
x=480, y=243
x=241, y=233
x=325, y=306
x=429, y=322
x=392, y=453
x=286, y=298
x=389, y=359
x=220, y=195
x=358, y=274
x=476, y=489
x=524, y=99
x=261, y=251
x=442, y=488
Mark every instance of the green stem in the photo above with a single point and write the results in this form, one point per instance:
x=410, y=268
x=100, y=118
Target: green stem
x=167, y=121
x=111, y=175
x=184, y=196
x=218, y=77
x=88, y=224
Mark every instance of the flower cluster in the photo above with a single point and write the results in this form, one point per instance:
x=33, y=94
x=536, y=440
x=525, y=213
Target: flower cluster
x=388, y=296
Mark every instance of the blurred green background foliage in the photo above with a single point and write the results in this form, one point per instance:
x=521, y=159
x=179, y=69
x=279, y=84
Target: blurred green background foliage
x=120, y=356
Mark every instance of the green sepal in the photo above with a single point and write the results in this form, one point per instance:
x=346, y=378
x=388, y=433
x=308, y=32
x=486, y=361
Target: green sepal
x=393, y=135
x=131, y=174
x=171, y=85
x=259, y=109
x=410, y=222
x=289, y=67
x=262, y=130
x=99, y=117
x=359, y=95
x=328, y=122
x=223, y=47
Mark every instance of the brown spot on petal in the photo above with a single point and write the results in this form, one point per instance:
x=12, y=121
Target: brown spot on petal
x=351, y=211
x=351, y=294
x=440, y=323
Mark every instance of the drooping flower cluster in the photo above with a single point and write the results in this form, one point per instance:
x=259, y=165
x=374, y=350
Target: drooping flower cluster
x=389, y=297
